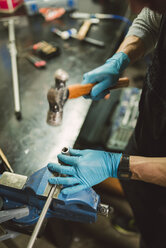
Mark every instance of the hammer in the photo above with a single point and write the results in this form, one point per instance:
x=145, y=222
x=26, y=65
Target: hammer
x=85, y=28
x=58, y=95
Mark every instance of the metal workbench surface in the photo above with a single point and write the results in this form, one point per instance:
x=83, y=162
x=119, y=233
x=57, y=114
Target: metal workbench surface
x=31, y=143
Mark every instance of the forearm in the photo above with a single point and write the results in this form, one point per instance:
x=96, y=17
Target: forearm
x=147, y=169
x=142, y=35
x=133, y=46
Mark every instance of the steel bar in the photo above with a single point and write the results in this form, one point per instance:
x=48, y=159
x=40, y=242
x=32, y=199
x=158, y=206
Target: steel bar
x=17, y=213
x=41, y=218
x=13, y=54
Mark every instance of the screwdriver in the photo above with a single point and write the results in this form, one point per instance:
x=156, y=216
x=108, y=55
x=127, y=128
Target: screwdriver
x=36, y=61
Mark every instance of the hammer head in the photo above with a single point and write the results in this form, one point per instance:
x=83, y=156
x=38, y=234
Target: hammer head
x=57, y=96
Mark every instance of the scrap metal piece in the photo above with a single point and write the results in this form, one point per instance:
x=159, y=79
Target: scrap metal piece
x=65, y=151
x=17, y=213
x=7, y=234
x=105, y=210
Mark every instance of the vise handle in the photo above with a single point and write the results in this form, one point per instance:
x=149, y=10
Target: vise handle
x=78, y=90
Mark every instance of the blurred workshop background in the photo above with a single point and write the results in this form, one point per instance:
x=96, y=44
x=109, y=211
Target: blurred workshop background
x=37, y=38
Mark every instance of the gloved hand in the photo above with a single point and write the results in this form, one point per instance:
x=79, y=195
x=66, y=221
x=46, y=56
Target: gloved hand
x=106, y=75
x=84, y=168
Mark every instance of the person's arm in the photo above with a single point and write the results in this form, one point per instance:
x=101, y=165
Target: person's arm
x=142, y=35
x=141, y=38
x=148, y=169
x=134, y=47
x=85, y=168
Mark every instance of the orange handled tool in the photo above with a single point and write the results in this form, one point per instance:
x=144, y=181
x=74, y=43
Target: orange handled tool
x=78, y=90
x=82, y=32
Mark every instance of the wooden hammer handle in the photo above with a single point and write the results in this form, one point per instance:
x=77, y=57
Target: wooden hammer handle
x=84, y=29
x=78, y=90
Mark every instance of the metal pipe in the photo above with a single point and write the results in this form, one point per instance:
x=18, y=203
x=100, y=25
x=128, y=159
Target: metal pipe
x=13, y=54
x=64, y=151
x=41, y=218
x=17, y=213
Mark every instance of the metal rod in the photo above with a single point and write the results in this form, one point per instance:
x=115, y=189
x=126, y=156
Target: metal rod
x=65, y=151
x=41, y=218
x=13, y=54
x=94, y=41
x=17, y=213
x=91, y=41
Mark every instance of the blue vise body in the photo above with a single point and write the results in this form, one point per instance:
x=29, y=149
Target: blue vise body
x=18, y=191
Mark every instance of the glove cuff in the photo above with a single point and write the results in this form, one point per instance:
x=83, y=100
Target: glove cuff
x=122, y=60
x=114, y=164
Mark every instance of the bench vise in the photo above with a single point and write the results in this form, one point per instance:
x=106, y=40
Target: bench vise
x=27, y=196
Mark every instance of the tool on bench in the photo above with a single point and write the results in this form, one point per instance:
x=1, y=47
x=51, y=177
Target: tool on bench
x=101, y=16
x=64, y=34
x=73, y=34
x=51, y=13
x=94, y=42
x=58, y=95
x=36, y=61
x=46, y=49
x=24, y=199
x=85, y=27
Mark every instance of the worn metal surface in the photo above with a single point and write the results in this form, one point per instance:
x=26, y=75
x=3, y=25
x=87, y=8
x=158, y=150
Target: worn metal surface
x=13, y=180
x=31, y=143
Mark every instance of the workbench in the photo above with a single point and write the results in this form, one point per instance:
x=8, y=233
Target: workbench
x=29, y=144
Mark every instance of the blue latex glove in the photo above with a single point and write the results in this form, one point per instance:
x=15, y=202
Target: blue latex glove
x=84, y=168
x=106, y=75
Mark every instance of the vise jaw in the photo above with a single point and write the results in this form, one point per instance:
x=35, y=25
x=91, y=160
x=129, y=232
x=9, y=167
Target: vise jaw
x=18, y=191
